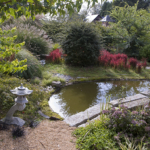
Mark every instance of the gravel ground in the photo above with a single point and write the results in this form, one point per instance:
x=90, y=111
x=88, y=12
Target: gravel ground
x=46, y=136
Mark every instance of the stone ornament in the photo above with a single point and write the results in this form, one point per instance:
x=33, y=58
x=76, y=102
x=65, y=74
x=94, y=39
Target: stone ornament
x=20, y=101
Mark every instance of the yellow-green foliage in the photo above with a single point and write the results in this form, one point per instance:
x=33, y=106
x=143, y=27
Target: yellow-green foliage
x=48, y=78
x=7, y=50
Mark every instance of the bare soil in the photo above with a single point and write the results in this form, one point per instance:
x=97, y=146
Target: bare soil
x=48, y=135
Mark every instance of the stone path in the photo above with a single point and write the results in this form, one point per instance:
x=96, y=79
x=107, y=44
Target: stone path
x=48, y=135
x=131, y=101
x=84, y=116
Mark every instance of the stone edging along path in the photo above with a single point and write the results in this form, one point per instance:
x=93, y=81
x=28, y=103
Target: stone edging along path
x=80, y=119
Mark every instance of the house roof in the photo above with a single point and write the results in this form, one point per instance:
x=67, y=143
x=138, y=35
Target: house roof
x=90, y=18
x=107, y=19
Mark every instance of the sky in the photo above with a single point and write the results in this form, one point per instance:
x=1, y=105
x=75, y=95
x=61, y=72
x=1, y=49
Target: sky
x=84, y=5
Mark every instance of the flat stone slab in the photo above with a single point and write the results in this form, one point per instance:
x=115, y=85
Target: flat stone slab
x=43, y=115
x=136, y=97
x=15, y=120
x=137, y=103
x=82, y=117
x=146, y=93
x=88, y=122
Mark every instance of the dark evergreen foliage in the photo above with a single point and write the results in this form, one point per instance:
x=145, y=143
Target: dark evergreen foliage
x=81, y=45
x=3, y=126
x=17, y=132
x=106, y=8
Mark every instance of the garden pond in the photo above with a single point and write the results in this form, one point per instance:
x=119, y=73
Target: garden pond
x=78, y=97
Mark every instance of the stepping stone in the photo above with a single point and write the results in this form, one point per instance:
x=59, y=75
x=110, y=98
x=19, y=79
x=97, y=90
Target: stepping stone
x=136, y=97
x=88, y=122
x=137, y=103
x=146, y=93
x=82, y=117
x=43, y=115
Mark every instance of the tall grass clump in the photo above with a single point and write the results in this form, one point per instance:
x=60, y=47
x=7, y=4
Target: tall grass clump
x=34, y=68
x=55, y=30
x=133, y=62
x=81, y=45
x=32, y=36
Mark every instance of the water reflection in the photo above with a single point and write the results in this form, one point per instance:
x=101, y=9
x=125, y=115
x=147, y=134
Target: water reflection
x=78, y=97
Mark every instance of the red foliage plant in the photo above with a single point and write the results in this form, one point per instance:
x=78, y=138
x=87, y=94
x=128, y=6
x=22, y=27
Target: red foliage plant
x=120, y=61
x=133, y=62
x=139, y=67
x=54, y=56
x=144, y=62
x=114, y=60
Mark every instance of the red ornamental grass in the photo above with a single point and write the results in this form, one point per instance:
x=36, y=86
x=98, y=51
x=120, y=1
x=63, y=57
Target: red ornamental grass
x=139, y=67
x=144, y=62
x=133, y=62
x=114, y=60
x=54, y=56
x=127, y=66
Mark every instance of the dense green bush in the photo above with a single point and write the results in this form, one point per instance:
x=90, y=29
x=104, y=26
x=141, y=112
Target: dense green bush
x=145, y=52
x=36, y=45
x=33, y=65
x=95, y=137
x=81, y=45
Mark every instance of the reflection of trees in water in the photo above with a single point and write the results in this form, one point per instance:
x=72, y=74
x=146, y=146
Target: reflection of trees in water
x=78, y=97
x=131, y=88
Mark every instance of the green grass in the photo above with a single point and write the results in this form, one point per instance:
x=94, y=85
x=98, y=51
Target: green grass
x=96, y=72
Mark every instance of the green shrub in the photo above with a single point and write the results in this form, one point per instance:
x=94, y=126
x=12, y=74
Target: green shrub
x=55, y=30
x=145, y=52
x=94, y=137
x=81, y=45
x=36, y=45
x=56, y=46
x=36, y=80
x=33, y=65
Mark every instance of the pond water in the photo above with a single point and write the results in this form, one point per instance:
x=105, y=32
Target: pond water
x=78, y=97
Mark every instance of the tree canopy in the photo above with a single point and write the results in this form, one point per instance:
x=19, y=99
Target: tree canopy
x=106, y=8
x=141, y=3
x=131, y=29
x=17, y=8
x=28, y=8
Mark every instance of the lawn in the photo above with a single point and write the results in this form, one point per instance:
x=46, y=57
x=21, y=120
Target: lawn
x=96, y=72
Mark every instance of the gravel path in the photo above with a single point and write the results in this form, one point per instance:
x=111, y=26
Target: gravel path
x=46, y=136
